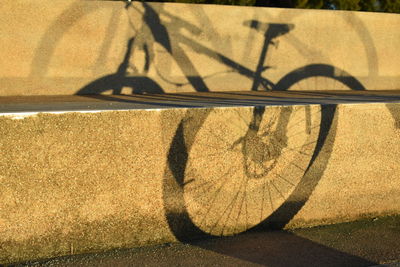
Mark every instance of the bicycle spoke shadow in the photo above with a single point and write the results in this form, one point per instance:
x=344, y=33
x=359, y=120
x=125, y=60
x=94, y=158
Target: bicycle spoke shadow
x=179, y=173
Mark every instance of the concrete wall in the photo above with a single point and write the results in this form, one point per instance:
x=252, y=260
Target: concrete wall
x=69, y=47
x=82, y=182
x=79, y=182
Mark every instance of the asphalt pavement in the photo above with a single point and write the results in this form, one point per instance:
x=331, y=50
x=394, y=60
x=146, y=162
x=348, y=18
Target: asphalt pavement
x=368, y=242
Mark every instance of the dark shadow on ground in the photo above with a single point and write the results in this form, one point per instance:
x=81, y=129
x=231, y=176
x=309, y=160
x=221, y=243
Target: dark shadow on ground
x=363, y=243
x=280, y=248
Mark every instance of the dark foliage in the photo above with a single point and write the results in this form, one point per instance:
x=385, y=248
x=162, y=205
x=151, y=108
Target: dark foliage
x=392, y=6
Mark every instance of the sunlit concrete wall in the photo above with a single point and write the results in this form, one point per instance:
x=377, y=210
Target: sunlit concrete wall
x=81, y=182
x=90, y=47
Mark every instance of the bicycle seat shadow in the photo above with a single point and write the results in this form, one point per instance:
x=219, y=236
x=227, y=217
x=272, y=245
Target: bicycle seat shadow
x=270, y=30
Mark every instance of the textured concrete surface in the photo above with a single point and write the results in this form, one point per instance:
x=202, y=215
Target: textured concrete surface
x=77, y=182
x=82, y=174
x=90, y=47
x=362, y=243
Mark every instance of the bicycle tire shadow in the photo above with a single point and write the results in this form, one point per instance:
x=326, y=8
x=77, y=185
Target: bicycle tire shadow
x=177, y=215
x=394, y=110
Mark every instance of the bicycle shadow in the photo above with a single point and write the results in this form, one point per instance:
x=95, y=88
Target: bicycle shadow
x=178, y=218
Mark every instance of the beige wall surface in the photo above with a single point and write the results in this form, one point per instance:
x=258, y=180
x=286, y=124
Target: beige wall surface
x=90, y=47
x=81, y=182
x=75, y=182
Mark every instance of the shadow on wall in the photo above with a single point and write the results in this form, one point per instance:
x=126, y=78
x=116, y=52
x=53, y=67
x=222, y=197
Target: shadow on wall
x=394, y=109
x=170, y=32
x=277, y=154
x=168, y=35
x=254, y=173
